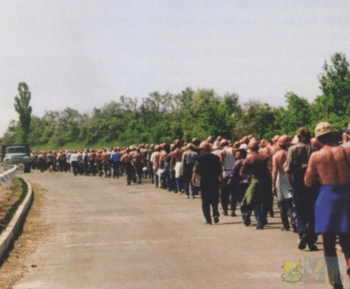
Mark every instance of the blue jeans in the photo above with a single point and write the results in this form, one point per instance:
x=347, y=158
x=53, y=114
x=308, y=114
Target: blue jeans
x=187, y=186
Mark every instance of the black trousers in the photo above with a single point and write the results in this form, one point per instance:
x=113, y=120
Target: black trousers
x=286, y=211
x=210, y=201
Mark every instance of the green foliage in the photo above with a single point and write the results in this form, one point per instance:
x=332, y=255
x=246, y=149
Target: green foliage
x=24, y=111
x=257, y=119
x=165, y=117
x=296, y=115
x=334, y=105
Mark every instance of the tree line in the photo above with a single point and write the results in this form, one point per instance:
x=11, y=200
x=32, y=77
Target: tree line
x=165, y=117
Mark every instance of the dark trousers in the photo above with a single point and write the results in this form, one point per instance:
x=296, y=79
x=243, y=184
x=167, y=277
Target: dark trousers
x=331, y=258
x=130, y=172
x=86, y=167
x=286, y=210
x=115, y=166
x=138, y=168
x=305, y=220
x=210, y=201
x=92, y=168
x=226, y=195
x=75, y=166
x=62, y=164
x=259, y=213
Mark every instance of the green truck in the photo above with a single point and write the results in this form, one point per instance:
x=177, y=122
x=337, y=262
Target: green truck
x=17, y=155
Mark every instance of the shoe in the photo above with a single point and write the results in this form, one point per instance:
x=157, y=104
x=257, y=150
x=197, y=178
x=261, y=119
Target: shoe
x=216, y=219
x=225, y=213
x=247, y=221
x=208, y=223
x=260, y=227
x=193, y=197
x=285, y=229
x=302, y=242
x=312, y=247
x=233, y=214
x=338, y=286
x=187, y=197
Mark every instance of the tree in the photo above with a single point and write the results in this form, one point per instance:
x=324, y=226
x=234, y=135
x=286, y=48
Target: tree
x=24, y=111
x=296, y=115
x=257, y=118
x=334, y=104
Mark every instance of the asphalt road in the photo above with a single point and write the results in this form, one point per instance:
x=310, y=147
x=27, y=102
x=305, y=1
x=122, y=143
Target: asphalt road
x=104, y=234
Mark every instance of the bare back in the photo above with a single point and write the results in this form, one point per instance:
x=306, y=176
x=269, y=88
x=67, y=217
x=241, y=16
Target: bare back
x=278, y=160
x=328, y=166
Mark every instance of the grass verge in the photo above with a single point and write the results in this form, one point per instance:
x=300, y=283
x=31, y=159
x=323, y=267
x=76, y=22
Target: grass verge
x=18, y=186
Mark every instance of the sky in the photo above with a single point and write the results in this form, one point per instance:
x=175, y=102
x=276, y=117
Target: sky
x=85, y=53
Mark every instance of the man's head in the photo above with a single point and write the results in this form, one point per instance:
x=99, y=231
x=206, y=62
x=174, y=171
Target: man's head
x=275, y=139
x=196, y=141
x=304, y=135
x=326, y=134
x=223, y=143
x=205, y=147
x=253, y=145
x=241, y=154
x=283, y=142
x=210, y=139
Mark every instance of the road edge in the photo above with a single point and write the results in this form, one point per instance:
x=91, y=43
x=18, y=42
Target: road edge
x=8, y=235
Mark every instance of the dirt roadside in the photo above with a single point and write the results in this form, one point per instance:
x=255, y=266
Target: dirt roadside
x=34, y=231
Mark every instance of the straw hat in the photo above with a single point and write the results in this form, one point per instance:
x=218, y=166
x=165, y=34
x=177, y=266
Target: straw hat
x=324, y=128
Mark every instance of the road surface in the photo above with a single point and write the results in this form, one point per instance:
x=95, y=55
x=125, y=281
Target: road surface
x=104, y=234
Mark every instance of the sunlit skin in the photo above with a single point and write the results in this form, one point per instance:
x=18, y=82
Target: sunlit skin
x=328, y=166
x=156, y=160
x=137, y=157
x=162, y=157
x=223, y=152
x=126, y=157
x=92, y=156
x=278, y=159
x=105, y=156
x=253, y=157
x=177, y=154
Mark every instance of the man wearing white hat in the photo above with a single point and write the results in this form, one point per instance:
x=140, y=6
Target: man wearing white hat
x=331, y=167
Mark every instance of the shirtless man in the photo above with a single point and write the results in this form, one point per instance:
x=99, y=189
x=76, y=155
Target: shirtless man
x=176, y=162
x=331, y=167
x=280, y=185
x=227, y=161
x=49, y=161
x=163, y=163
x=99, y=162
x=61, y=157
x=106, y=164
x=155, y=162
x=256, y=167
x=126, y=159
x=138, y=163
x=80, y=162
x=92, y=161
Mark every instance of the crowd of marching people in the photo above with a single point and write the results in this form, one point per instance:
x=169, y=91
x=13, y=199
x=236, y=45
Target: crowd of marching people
x=309, y=178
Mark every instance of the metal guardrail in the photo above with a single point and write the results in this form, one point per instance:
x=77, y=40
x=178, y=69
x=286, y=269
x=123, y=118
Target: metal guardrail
x=8, y=174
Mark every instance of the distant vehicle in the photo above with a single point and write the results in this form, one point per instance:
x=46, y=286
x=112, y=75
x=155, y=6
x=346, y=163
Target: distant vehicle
x=17, y=155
